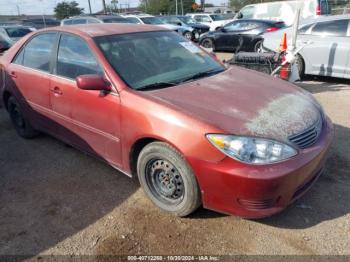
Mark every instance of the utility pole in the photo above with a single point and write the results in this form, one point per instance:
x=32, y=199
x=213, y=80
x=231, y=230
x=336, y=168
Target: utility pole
x=104, y=6
x=90, y=7
x=182, y=7
x=176, y=7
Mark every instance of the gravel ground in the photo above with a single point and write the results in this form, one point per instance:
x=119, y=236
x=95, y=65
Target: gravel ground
x=57, y=200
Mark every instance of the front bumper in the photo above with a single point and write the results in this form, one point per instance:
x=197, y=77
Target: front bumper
x=254, y=191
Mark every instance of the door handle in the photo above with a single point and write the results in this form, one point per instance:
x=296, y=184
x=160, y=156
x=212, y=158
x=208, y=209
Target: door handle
x=13, y=74
x=56, y=90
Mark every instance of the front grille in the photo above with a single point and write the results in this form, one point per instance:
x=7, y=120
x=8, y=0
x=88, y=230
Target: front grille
x=257, y=204
x=309, y=136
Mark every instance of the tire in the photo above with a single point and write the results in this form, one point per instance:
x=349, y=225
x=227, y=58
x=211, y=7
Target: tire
x=167, y=179
x=208, y=43
x=301, y=66
x=258, y=46
x=188, y=35
x=21, y=124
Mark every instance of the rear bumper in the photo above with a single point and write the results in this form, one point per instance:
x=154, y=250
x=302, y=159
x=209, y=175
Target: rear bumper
x=259, y=191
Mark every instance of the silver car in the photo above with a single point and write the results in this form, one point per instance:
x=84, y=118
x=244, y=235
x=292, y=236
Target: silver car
x=327, y=50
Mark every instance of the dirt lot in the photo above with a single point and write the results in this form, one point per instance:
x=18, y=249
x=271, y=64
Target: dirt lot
x=57, y=200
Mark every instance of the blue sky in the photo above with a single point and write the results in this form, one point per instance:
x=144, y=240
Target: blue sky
x=30, y=7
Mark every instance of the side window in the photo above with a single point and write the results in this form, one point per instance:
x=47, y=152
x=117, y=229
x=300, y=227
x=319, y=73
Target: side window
x=304, y=29
x=37, y=53
x=248, y=12
x=198, y=18
x=206, y=19
x=67, y=22
x=331, y=28
x=92, y=21
x=79, y=21
x=75, y=58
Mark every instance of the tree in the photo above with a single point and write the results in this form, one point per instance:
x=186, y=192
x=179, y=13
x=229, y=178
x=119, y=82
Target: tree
x=165, y=7
x=66, y=9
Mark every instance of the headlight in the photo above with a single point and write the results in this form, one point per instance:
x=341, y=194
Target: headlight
x=252, y=150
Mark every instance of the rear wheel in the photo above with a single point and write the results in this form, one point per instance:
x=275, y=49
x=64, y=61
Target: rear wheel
x=208, y=43
x=258, y=47
x=21, y=124
x=301, y=66
x=167, y=179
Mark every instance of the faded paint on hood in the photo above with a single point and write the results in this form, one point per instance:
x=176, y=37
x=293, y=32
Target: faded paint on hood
x=244, y=102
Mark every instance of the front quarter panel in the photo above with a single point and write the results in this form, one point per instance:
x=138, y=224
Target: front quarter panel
x=143, y=117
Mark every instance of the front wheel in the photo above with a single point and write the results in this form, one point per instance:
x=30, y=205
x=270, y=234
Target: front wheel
x=301, y=66
x=208, y=43
x=168, y=180
x=21, y=124
x=188, y=35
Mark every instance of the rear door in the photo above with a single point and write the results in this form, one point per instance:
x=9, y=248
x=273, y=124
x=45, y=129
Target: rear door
x=30, y=75
x=89, y=120
x=328, y=53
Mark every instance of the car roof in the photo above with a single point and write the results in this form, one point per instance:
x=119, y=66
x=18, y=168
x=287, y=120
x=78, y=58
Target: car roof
x=260, y=21
x=95, y=30
x=325, y=18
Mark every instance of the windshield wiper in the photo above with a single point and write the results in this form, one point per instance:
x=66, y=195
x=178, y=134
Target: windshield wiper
x=202, y=74
x=157, y=85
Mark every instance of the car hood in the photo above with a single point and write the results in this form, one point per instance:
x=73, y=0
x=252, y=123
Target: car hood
x=244, y=102
x=170, y=26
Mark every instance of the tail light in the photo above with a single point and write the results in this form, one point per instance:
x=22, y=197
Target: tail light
x=318, y=10
x=271, y=29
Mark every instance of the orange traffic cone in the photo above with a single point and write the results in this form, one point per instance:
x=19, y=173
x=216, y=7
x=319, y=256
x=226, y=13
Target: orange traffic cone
x=283, y=44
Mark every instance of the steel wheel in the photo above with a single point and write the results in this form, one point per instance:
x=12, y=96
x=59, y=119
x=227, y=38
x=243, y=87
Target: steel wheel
x=165, y=181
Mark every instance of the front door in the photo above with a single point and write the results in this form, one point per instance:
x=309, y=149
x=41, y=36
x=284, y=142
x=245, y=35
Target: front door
x=90, y=121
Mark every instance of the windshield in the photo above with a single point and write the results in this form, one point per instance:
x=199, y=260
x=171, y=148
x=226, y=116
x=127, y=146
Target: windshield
x=188, y=20
x=152, y=20
x=150, y=58
x=217, y=17
x=17, y=31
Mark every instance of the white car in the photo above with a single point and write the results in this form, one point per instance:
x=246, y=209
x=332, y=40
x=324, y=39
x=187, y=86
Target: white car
x=285, y=10
x=327, y=46
x=151, y=20
x=214, y=21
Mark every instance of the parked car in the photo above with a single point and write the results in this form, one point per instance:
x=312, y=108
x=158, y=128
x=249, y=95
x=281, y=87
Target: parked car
x=15, y=32
x=154, y=105
x=214, y=21
x=328, y=51
x=78, y=20
x=195, y=29
x=39, y=23
x=285, y=10
x=153, y=20
x=240, y=35
x=5, y=43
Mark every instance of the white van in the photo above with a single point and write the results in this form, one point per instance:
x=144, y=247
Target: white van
x=285, y=10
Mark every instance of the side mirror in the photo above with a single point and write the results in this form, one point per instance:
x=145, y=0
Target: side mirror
x=239, y=15
x=93, y=82
x=179, y=24
x=223, y=29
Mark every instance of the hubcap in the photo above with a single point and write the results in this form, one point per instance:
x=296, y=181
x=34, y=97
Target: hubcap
x=164, y=180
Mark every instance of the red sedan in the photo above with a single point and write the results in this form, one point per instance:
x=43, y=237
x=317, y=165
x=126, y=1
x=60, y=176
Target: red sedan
x=154, y=105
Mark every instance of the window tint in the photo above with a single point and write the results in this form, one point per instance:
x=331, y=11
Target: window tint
x=92, y=21
x=79, y=21
x=17, y=31
x=331, y=28
x=37, y=53
x=75, y=58
x=248, y=12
